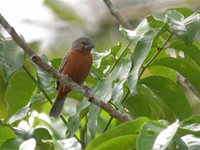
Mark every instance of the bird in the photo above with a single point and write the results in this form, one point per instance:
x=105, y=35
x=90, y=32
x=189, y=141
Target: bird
x=76, y=65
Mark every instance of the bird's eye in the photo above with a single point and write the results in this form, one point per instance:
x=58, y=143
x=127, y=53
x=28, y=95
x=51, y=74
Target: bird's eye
x=83, y=43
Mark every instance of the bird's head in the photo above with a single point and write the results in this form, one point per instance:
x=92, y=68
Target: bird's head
x=82, y=43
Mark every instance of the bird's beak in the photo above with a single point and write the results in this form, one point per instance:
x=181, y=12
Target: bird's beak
x=90, y=45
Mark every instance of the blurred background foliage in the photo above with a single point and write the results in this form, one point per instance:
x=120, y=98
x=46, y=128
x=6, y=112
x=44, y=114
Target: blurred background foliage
x=51, y=25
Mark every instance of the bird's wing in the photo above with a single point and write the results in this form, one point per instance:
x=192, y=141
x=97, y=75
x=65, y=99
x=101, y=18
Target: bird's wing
x=62, y=64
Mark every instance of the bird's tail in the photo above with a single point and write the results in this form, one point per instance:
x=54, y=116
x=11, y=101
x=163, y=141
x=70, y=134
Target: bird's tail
x=57, y=107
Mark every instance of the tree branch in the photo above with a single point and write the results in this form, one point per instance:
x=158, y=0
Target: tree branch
x=118, y=15
x=62, y=78
x=141, y=10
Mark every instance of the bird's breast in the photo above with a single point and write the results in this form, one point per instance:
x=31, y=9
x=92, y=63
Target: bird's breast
x=78, y=66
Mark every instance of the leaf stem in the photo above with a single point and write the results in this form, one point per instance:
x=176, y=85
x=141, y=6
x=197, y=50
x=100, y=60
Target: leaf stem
x=108, y=124
x=115, y=63
x=159, y=49
x=111, y=118
x=83, y=132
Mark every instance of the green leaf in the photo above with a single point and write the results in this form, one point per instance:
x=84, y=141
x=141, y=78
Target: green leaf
x=135, y=35
x=41, y=134
x=192, y=119
x=192, y=142
x=161, y=70
x=128, y=128
x=119, y=76
x=28, y=144
x=94, y=112
x=188, y=70
x=104, y=60
x=192, y=24
x=104, y=92
x=44, y=78
x=196, y=43
x=189, y=129
x=144, y=103
x=11, y=57
x=165, y=137
x=153, y=22
x=97, y=57
x=189, y=49
x=115, y=49
x=73, y=125
x=148, y=135
x=184, y=11
x=74, y=121
x=104, y=89
x=38, y=100
x=170, y=16
x=12, y=144
x=190, y=125
x=187, y=29
x=29, y=66
x=65, y=144
x=171, y=95
x=6, y=133
x=183, y=28
x=164, y=72
x=56, y=62
x=19, y=91
x=144, y=36
x=22, y=113
x=70, y=107
x=180, y=145
x=137, y=106
x=3, y=105
x=119, y=143
x=92, y=79
x=173, y=15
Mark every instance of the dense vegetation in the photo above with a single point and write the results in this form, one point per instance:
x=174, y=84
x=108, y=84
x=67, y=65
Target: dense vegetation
x=151, y=80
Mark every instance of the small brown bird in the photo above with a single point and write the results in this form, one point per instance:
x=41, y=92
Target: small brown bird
x=76, y=65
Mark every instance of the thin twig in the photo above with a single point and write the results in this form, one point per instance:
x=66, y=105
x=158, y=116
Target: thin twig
x=83, y=132
x=118, y=15
x=115, y=63
x=108, y=124
x=155, y=55
x=111, y=118
x=62, y=78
